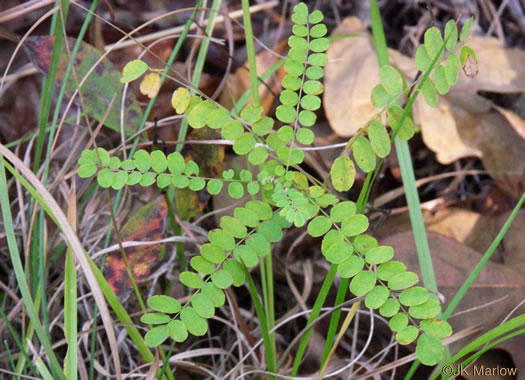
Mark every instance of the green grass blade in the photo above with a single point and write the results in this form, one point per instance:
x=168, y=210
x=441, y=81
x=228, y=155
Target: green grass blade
x=70, y=317
x=20, y=275
x=250, y=51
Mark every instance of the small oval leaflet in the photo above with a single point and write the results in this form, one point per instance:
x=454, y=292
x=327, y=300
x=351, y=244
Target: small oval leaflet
x=407, y=335
x=164, y=304
x=429, y=350
x=156, y=335
x=429, y=309
x=377, y=297
x=414, y=296
x=350, y=267
x=342, y=173
x=403, y=280
x=203, y=305
x=399, y=322
x=133, y=70
x=362, y=283
x=195, y=324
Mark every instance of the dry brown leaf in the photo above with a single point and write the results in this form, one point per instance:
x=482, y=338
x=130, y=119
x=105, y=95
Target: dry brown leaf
x=350, y=76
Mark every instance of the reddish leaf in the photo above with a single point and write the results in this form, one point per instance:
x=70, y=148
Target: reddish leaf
x=98, y=90
x=147, y=224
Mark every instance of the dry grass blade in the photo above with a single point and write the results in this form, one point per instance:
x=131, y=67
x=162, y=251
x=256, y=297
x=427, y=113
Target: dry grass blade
x=76, y=247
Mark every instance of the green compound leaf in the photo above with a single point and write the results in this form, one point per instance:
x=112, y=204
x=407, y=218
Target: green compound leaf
x=286, y=114
x=87, y=170
x=402, y=280
x=433, y=42
x=430, y=309
x=236, y=272
x=142, y=160
x=389, y=308
x=362, y=283
x=377, y=297
x=180, y=100
x=247, y=217
x=190, y=279
x=177, y=331
x=414, y=296
x=379, y=255
x=213, y=253
x=316, y=17
x=451, y=35
x=155, y=318
x=364, y=243
x=214, y=186
x=364, y=155
x=133, y=70
x=317, y=59
x=379, y=96
x=391, y=80
x=233, y=227
x=246, y=255
x=105, y=178
x=195, y=324
x=350, y=267
x=159, y=163
x=429, y=93
x=354, y=225
x=203, y=305
x=342, y=173
x=318, y=31
x=176, y=164
x=215, y=294
x=379, y=139
x=465, y=30
x=218, y=118
x=319, y=226
x=198, y=115
x=339, y=252
x=311, y=102
x=440, y=80
x=429, y=350
x=452, y=69
x=164, y=304
x=244, y=144
x=201, y=265
x=407, y=335
x=423, y=60
x=232, y=130
x=156, y=336
x=263, y=126
x=436, y=327
x=342, y=210
x=222, y=279
x=399, y=322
